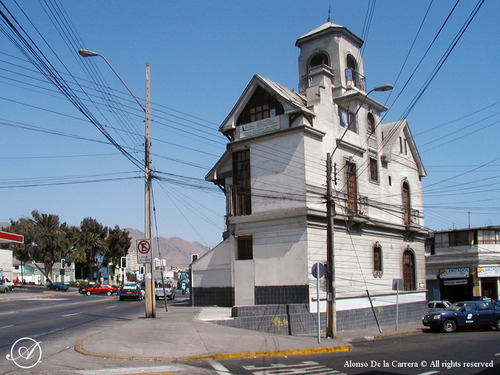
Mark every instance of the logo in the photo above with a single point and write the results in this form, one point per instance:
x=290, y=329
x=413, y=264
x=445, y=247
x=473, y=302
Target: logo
x=25, y=353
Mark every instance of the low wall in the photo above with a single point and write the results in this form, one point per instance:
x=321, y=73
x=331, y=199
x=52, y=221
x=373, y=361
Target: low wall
x=295, y=319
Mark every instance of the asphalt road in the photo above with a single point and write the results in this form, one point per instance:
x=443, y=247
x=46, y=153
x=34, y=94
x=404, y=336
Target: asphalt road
x=464, y=353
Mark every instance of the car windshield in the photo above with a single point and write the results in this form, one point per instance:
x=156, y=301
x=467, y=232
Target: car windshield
x=130, y=287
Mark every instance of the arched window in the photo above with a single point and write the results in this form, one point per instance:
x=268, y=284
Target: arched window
x=352, y=74
x=377, y=260
x=261, y=105
x=318, y=59
x=405, y=194
x=409, y=270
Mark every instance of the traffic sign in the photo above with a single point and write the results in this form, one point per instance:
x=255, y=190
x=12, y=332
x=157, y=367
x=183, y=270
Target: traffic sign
x=144, y=253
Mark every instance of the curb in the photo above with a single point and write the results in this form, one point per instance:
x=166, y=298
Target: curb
x=212, y=356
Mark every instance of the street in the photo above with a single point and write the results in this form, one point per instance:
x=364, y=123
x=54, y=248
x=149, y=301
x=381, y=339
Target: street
x=466, y=352
x=56, y=321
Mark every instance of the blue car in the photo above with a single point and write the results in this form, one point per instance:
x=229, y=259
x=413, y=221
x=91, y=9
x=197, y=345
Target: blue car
x=58, y=286
x=484, y=313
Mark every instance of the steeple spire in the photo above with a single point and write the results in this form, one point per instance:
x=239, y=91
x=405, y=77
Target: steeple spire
x=329, y=14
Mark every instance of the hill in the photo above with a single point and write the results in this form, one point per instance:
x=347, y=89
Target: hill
x=175, y=250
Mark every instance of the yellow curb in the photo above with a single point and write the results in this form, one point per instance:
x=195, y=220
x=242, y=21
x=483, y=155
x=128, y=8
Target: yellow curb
x=381, y=336
x=252, y=354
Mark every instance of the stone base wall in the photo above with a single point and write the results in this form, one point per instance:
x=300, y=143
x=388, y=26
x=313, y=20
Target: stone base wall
x=296, y=319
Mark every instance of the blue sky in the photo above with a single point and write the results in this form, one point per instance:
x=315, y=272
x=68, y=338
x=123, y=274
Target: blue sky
x=202, y=55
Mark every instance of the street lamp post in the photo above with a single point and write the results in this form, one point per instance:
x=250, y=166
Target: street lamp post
x=331, y=309
x=150, y=302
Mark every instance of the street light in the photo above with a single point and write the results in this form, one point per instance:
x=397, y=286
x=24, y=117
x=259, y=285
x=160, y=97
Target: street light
x=150, y=302
x=331, y=310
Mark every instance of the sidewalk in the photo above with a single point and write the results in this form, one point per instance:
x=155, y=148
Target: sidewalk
x=181, y=334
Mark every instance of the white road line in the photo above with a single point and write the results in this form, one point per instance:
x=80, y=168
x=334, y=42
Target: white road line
x=111, y=307
x=10, y=325
x=498, y=354
x=219, y=368
x=132, y=370
x=429, y=373
x=70, y=314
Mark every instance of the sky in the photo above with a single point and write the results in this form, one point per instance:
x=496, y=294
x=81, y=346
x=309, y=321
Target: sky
x=60, y=129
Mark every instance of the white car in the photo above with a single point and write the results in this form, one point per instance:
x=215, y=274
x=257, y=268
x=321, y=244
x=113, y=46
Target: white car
x=438, y=305
x=169, y=290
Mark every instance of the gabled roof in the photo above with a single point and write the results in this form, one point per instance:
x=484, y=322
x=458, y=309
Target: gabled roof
x=326, y=28
x=290, y=99
x=391, y=131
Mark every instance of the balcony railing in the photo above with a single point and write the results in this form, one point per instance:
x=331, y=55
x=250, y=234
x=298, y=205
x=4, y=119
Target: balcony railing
x=357, y=205
x=353, y=78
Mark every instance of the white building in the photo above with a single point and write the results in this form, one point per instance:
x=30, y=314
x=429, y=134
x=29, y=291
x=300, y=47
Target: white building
x=464, y=263
x=273, y=174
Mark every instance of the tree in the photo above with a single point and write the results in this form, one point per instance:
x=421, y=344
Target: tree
x=118, y=243
x=92, y=242
x=48, y=242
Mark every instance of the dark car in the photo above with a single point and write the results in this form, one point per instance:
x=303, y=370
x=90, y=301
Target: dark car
x=99, y=289
x=465, y=314
x=130, y=291
x=57, y=286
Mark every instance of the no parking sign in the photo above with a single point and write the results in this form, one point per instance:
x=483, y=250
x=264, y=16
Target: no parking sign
x=144, y=251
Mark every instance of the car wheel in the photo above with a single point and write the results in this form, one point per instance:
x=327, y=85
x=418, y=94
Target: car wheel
x=497, y=324
x=108, y=293
x=449, y=326
x=88, y=293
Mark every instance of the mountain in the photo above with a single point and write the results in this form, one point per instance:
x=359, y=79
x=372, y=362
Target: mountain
x=175, y=250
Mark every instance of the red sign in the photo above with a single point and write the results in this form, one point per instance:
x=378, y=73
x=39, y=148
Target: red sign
x=143, y=246
x=10, y=237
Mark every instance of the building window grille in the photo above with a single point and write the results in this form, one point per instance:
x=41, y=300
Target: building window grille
x=245, y=248
x=373, y=169
x=406, y=203
x=409, y=270
x=242, y=197
x=377, y=260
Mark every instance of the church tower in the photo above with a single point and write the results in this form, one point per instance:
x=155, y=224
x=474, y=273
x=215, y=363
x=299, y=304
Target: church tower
x=331, y=50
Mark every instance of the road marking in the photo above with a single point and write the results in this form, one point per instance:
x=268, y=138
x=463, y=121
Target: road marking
x=70, y=314
x=169, y=369
x=219, y=368
x=111, y=307
x=429, y=373
x=498, y=354
x=305, y=367
x=10, y=325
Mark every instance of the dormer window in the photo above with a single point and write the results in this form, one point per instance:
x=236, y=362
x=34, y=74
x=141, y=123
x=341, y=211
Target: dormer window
x=261, y=105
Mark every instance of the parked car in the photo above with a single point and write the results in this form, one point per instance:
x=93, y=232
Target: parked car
x=160, y=293
x=4, y=288
x=438, y=305
x=58, y=286
x=99, y=289
x=130, y=291
x=18, y=283
x=465, y=314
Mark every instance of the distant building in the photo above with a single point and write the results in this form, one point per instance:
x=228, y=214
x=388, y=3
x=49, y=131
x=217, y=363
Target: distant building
x=273, y=175
x=463, y=263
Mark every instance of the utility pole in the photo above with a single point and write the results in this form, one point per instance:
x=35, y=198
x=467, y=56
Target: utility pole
x=150, y=303
x=331, y=310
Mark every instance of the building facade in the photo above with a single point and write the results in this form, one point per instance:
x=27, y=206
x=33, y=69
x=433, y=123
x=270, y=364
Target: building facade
x=464, y=263
x=274, y=176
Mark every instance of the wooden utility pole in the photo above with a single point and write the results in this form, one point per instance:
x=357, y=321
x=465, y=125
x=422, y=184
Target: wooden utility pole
x=150, y=303
x=331, y=309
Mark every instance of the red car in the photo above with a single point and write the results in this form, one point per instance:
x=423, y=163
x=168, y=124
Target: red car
x=99, y=289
